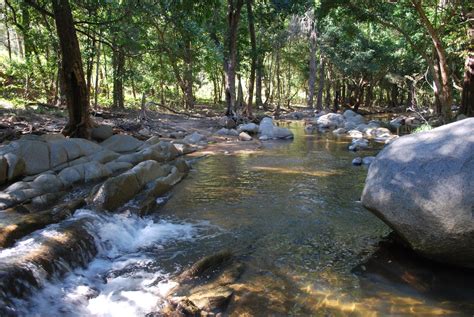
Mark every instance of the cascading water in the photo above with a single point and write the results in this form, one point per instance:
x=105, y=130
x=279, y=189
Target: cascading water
x=123, y=279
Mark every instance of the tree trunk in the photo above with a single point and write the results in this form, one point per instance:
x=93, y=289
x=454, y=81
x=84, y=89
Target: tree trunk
x=75, y=86
x=328, y=94
x=368, y=96
x=7, y=30
x=259, y=80
x=118, y=62
x=253, y=64
x=239, y=103
x=337, y=96
x=312, y=67
x=97, y=68
x=234, y=8
x=278, y=78
x=319, y=102
x=446, y=91
x=467, y=102
x=90, y=63
x=343, y=93
x=188, y=77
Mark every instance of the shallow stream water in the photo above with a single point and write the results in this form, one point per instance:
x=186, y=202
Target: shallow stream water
x=291, y=214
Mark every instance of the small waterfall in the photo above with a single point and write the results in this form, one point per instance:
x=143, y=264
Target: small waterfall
x=92, y=264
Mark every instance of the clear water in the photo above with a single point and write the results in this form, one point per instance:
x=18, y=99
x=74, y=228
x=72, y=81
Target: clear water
x=291, y=214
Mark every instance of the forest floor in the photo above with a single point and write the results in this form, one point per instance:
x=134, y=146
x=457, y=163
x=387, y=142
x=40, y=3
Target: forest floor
x=15, y=123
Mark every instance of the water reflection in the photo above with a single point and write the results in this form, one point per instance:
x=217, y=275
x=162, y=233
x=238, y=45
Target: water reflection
x=291, y=212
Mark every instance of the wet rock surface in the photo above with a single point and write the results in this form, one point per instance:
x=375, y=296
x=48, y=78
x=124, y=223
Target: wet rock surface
x=205, y=289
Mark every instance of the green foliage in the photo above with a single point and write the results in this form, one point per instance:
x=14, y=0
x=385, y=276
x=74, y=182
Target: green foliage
x=422, y=128
x=169, y=44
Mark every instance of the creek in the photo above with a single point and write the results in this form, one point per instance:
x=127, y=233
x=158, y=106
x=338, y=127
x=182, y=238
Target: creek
x=290, y=213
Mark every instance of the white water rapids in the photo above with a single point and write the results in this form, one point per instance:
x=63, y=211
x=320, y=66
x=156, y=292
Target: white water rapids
x=124, y=279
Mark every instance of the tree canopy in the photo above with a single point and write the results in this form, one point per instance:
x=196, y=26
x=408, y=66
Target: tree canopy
x=244, y=54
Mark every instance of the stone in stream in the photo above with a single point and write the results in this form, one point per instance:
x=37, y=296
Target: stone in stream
x=421, y=185
x=102, y=132
x=146, y=201
x=244, y=137
x=249, y=128
x=368, y=160
x=269, y=131
x=357, y=161
x=339, y=131
x=266, y=127
x=26, y=224
x=22, y=272
x=356, y=134
x=194, y=138
x=118, y=190
x=205, y=288
x=122, y=143
x=358, y=144
x=331, y=121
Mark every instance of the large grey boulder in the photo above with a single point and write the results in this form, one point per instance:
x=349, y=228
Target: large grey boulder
x=243, y=136
x=122, y=143
x=195, y=138
x=331, y=121
x=249, y=128
x=102, y=132
x=268, y=131
x=422, y=185
x=35, y=154
x=16, y=166
x=266, y=127
x=116, y=191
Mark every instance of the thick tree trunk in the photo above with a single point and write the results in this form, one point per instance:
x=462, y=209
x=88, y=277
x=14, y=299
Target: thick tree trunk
x=343, y=93
x=234, y=8
x=253, y=64
x=467, y=103
x=259, y=82
x=278, y=79
x=188, y=77
x=337, y=95
x=90, y=63
x=327, y=102
x=319, y=102
x=7, y=30
x=239, y=103
x=118, y=63
x=312, y=67
x=77, y=97
x=446, y=91
x=97, y=68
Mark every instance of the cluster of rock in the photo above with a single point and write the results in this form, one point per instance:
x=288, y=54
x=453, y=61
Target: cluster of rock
x=363, y=161
x=421, y=185
x=352, y=125
x=51, y=164
x=205, y=289
x=267, y=130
